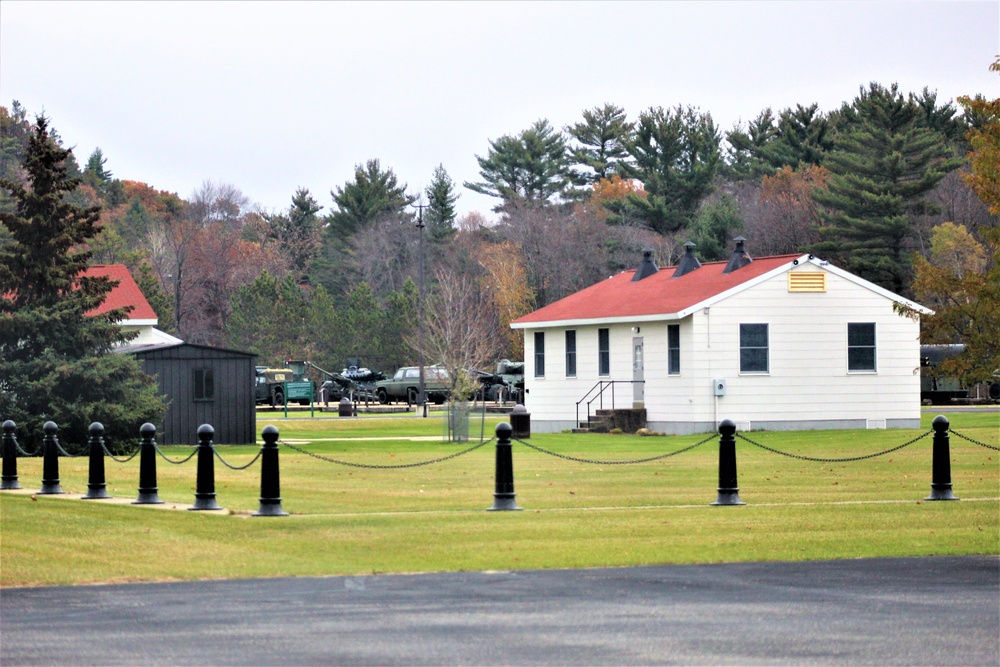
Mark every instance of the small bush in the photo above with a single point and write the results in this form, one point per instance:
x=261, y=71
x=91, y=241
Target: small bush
x=615, y=431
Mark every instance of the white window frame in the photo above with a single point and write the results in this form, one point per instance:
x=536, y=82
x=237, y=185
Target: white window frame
x=766, y=348
x=873, y=347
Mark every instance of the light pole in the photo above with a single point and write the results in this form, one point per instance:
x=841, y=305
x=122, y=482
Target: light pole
x=422, y=397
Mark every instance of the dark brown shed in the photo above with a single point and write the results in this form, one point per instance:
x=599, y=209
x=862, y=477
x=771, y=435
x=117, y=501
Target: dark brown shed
x=204, y=385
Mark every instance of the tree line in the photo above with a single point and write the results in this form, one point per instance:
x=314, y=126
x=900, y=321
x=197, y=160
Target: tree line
x=869, y=186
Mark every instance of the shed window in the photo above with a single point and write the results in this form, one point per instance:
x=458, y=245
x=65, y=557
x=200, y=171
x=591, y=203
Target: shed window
x=204, y=384
x=861, y=346
x=673, y=349
x=571, y=354
x=753, y=348
x=539, y=354
x=603, y=352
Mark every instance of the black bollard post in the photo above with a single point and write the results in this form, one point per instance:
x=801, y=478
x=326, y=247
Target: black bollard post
x=8, y=449
x=941, y=465
x=204, y=495
x=503, y=496
x=270, y=482
x=50, y=460
x=729, y=490
x=96, y=486
x=148, y=491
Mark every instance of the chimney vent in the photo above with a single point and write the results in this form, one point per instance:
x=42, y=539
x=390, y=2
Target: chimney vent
x=647, y=267
x=688, y=261
x=739, y=258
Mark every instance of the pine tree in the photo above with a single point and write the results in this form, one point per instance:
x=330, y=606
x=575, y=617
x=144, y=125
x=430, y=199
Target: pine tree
x=532, y=167
x=881, y=167
x=441, y=214
x=602, y=136
x=676, y=156
x=372, y=193
x=55, y=359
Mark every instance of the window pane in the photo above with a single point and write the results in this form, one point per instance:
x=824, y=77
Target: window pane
x=571, y=353
x=861, y=346
x=604, y=352
x=861, y=359
x=753, y=348
x=539, y=354
x=753, y=360
x=674, y=336
x=861, y=334
x=753, y=335
x=673, y=349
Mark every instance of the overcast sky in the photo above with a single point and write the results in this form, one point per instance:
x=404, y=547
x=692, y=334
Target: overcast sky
x=270, y=97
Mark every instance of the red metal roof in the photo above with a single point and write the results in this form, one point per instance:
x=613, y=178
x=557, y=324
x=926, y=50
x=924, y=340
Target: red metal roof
x=658, y=294
x=127, y=293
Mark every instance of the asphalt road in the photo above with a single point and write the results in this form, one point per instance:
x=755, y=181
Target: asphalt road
x=898, y=611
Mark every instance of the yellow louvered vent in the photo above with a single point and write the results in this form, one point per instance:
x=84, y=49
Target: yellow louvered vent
x=806, y=281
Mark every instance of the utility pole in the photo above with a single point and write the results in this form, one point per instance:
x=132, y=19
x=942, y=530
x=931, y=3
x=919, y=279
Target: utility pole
x=422, y=398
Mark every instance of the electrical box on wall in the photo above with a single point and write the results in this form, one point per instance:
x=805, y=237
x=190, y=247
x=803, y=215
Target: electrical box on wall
x=719, y=387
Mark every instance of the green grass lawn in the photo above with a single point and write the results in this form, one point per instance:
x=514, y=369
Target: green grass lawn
x=349, y=520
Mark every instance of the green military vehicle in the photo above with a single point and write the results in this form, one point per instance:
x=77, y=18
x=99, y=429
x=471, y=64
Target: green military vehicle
x=405, y=385
x=270, y=386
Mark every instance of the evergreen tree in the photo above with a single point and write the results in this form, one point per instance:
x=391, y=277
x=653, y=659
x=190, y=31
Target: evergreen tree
x=803, y=138
x=108, y=188
x=676, y=156
x=441, y=214
x=55, y=360
x=745, y=147
x=297, y=233
x=601, y=138
x=713, y=227
x=882, y=166
x=372, y=194
x=531, y=167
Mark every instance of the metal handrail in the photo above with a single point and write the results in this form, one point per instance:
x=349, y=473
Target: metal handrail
x=601, y=387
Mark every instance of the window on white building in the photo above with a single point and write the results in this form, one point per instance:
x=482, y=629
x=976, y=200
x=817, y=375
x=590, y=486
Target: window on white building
x=539, y=354
x=861, y=346
x=603, y=352
x=673, y=349
x=753, y=348
x=571, y=354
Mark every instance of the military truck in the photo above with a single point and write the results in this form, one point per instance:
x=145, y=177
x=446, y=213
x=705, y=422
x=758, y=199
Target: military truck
x=270, y=386
x=405, y=385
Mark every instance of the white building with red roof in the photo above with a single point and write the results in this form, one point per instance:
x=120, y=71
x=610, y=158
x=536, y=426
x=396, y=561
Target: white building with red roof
x=126, y=294
x=776, y=343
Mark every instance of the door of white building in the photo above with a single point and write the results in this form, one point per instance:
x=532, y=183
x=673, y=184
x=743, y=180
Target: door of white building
x=638, y=384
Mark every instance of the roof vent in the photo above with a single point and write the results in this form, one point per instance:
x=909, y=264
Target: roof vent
x=739, y=258
x=647, y=267
x=688, y=261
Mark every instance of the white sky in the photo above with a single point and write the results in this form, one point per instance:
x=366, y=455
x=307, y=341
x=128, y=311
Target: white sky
x=270, y=97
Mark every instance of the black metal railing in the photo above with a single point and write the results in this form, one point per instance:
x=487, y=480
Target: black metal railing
x=597, y=393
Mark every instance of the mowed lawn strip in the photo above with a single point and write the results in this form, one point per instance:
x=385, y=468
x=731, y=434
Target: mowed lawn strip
x=352, y=520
